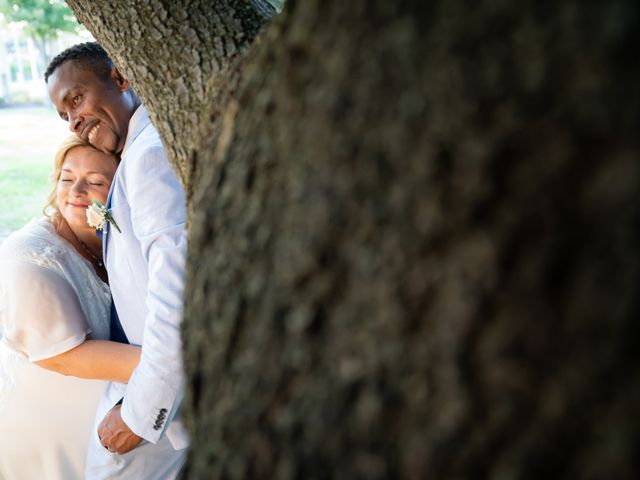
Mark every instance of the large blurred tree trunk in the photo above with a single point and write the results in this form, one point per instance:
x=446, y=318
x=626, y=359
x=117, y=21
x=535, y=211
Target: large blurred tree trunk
x=413, y=233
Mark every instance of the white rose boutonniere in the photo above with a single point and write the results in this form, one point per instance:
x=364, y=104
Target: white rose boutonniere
x=98, y=215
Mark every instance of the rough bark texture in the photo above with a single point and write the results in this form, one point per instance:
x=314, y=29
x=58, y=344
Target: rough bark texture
x=169, y=51
x=413, y=250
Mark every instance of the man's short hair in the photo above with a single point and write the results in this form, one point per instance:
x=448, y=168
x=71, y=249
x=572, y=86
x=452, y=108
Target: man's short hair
x=90, y=56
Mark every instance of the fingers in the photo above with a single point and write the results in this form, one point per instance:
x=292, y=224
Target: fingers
x=108, y=447
x=115, y=435
x=119, y=443
x=105, y=444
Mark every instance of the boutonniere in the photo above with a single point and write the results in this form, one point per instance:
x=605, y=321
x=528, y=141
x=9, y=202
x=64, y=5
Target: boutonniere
x=98, y=215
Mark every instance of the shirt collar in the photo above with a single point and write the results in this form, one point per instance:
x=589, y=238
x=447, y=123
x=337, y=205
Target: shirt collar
x=139, y=120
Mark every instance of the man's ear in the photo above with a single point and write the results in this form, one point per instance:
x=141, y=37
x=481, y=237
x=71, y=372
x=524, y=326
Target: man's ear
x=121, y=82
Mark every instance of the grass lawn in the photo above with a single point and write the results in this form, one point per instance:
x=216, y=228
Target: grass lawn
x=29, y=138
x=23, y=188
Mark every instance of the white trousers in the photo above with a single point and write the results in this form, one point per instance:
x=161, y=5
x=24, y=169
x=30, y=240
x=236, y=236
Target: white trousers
x=145, y=462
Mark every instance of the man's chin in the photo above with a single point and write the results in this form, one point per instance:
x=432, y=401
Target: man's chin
x=104, y=147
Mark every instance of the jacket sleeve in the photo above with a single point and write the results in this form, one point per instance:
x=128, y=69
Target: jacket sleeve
x=158, y=216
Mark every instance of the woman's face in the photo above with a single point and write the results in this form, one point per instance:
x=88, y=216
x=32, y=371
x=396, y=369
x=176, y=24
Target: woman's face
x=85, y=176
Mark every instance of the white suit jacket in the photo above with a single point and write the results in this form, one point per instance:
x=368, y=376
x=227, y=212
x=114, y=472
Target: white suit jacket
x=146, y=262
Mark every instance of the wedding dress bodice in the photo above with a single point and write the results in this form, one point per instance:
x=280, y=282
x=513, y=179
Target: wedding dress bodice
x=50, y=301
x=38, y=245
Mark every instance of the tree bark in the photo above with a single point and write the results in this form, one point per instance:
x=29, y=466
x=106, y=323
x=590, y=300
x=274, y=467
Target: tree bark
x=413, y=237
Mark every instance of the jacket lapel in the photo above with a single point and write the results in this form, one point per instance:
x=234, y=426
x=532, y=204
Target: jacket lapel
x=107, y=226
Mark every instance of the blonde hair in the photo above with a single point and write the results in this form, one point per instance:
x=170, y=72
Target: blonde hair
x=50, y=207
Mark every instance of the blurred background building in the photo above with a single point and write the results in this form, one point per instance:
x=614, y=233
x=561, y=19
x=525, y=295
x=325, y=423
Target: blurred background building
x=31, y=34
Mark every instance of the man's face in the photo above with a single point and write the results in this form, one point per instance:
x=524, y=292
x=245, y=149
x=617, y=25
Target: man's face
x=98, y=111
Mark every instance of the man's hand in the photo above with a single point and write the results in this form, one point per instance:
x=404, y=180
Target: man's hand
x=115, y=435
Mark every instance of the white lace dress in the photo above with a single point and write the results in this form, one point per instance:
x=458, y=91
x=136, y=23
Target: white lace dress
x=50, y=301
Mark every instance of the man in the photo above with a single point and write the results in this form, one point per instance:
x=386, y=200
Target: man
x=138, y=430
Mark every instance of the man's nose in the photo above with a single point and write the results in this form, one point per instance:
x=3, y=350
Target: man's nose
x=75, y=123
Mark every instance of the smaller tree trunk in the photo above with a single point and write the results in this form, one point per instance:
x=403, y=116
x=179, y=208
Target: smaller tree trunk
x=188, y=43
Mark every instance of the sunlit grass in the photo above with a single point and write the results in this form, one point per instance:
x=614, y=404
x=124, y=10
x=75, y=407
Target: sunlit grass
x=24, y=186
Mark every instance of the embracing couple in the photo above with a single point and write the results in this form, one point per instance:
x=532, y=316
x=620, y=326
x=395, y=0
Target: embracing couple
x=102, y=307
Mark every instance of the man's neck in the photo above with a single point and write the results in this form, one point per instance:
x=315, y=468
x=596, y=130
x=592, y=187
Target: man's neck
x=137, y=123
x=134, y=105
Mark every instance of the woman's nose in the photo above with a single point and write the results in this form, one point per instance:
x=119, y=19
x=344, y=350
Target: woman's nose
x=78, y=187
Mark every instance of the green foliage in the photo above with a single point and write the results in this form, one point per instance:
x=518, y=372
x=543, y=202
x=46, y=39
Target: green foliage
x=44, y=19
x=277, y=3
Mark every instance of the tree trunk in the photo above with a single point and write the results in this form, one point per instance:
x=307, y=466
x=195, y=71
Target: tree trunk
x=413, y=233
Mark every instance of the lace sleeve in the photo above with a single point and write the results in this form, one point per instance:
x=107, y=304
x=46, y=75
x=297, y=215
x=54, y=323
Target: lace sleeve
x=43, y=316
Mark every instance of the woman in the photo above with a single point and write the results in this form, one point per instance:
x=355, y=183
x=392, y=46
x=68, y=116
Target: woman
x=54, y=313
